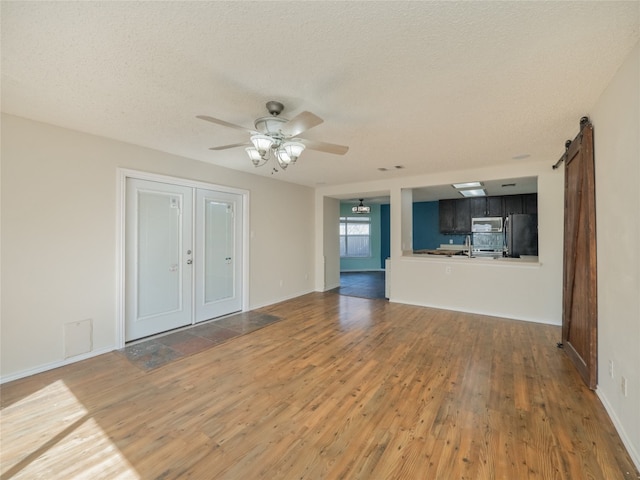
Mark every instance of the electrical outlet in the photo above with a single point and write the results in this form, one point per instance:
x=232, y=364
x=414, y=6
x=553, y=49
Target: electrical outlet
x=623, y=385
x=611, y=368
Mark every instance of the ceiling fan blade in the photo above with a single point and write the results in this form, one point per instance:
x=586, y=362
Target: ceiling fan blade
x=325, y=147
x=233, y=145
x=300, y=123
x=223, y=123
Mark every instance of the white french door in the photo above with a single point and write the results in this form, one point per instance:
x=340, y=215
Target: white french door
x=158, y=244
x=167, y=270
x=218, y=251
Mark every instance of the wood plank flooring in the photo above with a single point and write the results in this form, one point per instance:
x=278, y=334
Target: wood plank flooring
x=162, y=349
x=341, y=388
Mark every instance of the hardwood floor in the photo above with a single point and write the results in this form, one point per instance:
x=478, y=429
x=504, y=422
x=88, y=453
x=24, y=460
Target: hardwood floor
x=159, y=350
x=342, y=387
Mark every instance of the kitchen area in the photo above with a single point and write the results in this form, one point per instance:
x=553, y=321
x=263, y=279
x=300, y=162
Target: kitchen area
x=498, y=254
x=496, y=238
x=495, y=227
x=425, y=234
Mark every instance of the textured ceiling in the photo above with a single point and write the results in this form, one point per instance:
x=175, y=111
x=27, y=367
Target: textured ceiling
x=432, y=86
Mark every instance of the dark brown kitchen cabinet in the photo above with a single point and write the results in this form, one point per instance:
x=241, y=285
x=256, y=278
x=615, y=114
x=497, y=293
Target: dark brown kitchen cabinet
x=462, y=221
x=494, y=207
x=447, y=215
x=530, y=203
x=454, y=215
x=512, y=204
x=478, y=207
x=486, y=207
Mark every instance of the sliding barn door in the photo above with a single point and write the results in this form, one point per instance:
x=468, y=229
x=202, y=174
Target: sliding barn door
x=579, y=309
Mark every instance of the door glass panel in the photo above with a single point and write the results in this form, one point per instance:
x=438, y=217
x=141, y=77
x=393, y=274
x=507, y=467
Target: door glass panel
x=218, y=251
x=159, y=266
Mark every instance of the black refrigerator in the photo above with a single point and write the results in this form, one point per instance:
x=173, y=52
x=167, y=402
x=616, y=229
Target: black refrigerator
x=521, y=231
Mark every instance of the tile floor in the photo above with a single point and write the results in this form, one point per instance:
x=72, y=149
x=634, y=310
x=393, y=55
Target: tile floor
x=362, y=284
x=158, y=351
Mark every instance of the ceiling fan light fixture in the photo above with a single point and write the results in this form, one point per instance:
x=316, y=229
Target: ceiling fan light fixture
x=283, y=158
x=293, y=150
x=255, y=156
x=288, y=153
x=262, y=143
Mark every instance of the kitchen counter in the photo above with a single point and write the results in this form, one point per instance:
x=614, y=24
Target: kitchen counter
x=462, y=256
x=446, y=253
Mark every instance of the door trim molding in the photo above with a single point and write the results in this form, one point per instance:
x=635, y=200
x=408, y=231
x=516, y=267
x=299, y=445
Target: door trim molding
x=121, y=178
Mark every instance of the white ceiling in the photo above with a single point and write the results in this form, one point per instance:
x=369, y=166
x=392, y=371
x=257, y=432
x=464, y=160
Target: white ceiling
x=432, y=86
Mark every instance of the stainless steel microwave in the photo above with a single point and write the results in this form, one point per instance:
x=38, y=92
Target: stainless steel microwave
x=486, y=225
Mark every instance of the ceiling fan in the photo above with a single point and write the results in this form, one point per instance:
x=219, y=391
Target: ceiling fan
x=278, y=135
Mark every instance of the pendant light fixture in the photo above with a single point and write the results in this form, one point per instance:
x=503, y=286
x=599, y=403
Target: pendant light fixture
x=360, y=209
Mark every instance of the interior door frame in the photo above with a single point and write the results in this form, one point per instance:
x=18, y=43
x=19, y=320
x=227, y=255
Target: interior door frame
x=121, y=178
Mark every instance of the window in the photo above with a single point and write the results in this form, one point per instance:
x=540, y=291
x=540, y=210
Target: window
x=355, y=233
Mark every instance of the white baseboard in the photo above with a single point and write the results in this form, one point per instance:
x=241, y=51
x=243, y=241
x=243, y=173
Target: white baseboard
x=633, y=453
x=543, y=321
x=278, y=300
x=61, y=363
x=52, y=365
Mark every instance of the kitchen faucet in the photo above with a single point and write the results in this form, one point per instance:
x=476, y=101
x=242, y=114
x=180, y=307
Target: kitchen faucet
x=467, y=243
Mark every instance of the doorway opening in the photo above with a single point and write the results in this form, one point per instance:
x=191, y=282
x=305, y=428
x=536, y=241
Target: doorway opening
x=362, y=284
x=364, y=240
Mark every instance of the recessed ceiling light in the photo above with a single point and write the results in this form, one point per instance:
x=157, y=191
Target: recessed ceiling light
x=467, y=185
x=477, y=192
x=398, y=167
x=383, y=169
x=522, y=156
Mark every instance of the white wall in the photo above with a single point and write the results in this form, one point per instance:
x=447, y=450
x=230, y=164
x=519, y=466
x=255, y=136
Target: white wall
x=523, y=292
x=406, y=208
x=58, y=259
x=616, y=129
x=330, y=241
